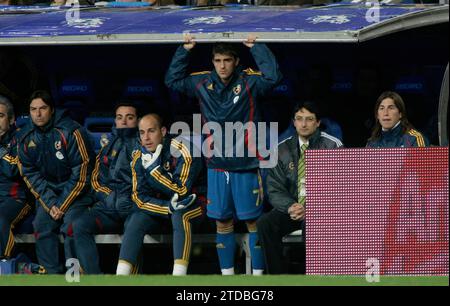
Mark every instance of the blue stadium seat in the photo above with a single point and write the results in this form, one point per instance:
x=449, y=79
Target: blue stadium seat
x=21, y=121
x=75, y=95
x=142, y=88
x=149, y=94
x=281, y=97
x=284, y=89
x=342, y=81
x=75, y=87
x=331, y=127
x=410, y=85
x=99, y=129
x=327, y=125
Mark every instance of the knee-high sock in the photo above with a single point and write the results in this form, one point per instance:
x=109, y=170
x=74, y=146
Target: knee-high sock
x=226, y=245
x=256, y=252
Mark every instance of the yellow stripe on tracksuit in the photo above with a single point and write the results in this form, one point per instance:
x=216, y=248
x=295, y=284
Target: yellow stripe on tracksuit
x=134, y=195
x=30, y=187
x=419, y=137
x=10, y=244
x=250, y=71
x=11, y=160
x=184, y=171
x=260, y=190
x=200, y=72
x=94, y=179
x=188, y=233
x=83, y=172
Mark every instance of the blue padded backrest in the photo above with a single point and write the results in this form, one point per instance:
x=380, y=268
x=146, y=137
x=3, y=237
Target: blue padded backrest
x=99, y=129
x=142, y=88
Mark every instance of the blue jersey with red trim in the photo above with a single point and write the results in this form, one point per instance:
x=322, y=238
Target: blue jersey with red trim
x=11, y=184
x=235, y=103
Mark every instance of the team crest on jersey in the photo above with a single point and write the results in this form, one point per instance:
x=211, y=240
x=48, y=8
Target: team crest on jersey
x=104, y=141
x=31, y=144
x=166, y=166
x=237, y=89
x=59, y=155
x=58, y=145
x=210, y=86
x=291, y=166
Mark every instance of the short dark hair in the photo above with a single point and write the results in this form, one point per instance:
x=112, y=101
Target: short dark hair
x=44, y=96
x=311, y=106
x=9, y=107
x=224, y=48
x=126, y=103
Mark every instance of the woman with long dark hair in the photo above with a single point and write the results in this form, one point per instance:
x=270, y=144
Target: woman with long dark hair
x=392, y=128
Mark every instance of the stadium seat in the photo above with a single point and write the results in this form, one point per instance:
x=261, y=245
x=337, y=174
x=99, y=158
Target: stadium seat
x=327, y=125
x=281, y=97
x=285, y=89
x=414, y=84
x=342, y=81
x=146, y=91
x=99, y=129
x=331, y=127
x=142, y=88
x=412, y=88
x=76, y=95
x=21, y=121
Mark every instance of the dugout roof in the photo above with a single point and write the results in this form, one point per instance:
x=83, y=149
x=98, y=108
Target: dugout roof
x=346, y=23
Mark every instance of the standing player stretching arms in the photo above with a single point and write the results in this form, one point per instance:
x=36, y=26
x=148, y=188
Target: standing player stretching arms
x=229, y=94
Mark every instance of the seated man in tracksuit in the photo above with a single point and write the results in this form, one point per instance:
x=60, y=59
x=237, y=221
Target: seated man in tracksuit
x=111, y=181
x=55, y=159
x=164, y=172
x=13, y=191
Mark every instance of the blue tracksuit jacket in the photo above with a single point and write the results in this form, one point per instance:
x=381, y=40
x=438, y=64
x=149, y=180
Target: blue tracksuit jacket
x=235, y=102
x=396, y=138
x=56, y=162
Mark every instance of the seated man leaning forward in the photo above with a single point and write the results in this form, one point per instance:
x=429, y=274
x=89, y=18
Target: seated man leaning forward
x=163, y=177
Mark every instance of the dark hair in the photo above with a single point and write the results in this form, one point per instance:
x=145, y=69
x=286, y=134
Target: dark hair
x=44, y=96
x=398, y=101
x=126, y=103
x=226, y=49
x=9, y=107
x=311, y=106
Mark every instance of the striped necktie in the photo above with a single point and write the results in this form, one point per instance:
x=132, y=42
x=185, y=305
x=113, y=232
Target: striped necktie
x=301, y=175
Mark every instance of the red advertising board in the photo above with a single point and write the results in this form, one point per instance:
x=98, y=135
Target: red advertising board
x=382, y=206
